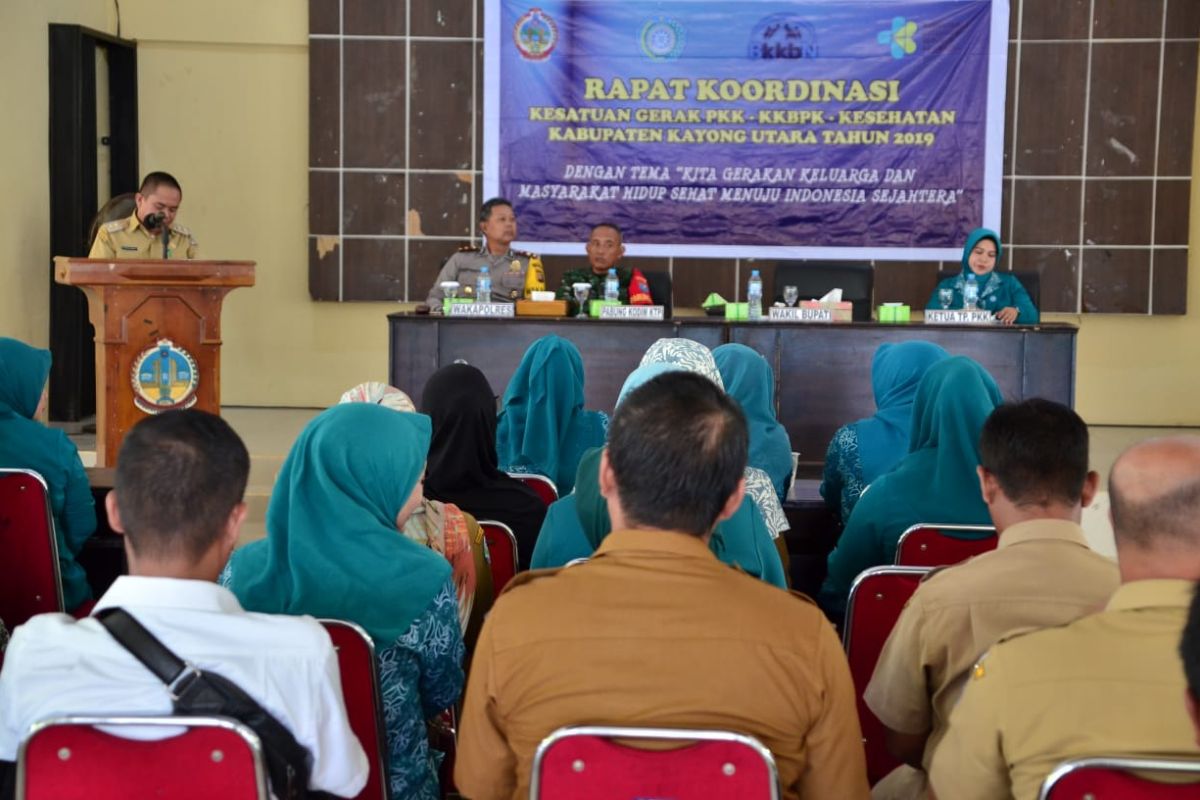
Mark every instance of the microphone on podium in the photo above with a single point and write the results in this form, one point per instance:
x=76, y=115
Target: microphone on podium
x=159, y=220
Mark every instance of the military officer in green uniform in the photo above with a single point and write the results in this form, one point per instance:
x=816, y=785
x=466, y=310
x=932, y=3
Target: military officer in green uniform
x=507, y=267
x=140, y=235
x=605, y=249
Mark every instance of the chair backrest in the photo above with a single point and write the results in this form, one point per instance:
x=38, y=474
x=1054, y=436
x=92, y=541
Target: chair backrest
x=1032, y=281
x=815, y=278
x=1117, y=778
x=596, y=763
x=934, y=544
x=502, y=550
x=659, y=282
x=364, y=706
x=30, y=581
x=73, y=758
x=876, y=598
x=544, y=487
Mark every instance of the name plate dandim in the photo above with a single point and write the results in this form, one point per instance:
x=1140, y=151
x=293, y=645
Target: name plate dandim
x=494, y=310
x=938, y=316
x=632, y=312
x=777, y=314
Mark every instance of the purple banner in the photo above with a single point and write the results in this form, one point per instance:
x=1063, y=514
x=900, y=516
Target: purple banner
x=867, y=129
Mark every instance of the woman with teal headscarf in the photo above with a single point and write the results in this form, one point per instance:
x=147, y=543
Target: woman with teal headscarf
x=334, y=550
x=999, y=292
x=27, y=444
x=862, y=451
x=936, y=481
x=543, y=428
x=576, y=524
x=750, y=381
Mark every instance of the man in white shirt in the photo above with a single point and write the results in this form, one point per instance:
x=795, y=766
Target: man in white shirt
x=177, y=498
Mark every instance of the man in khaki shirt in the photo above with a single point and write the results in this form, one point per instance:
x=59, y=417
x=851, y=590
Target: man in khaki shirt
x=140, y=235
x=1108, y=684
x=653, y=630
x=1035, y=480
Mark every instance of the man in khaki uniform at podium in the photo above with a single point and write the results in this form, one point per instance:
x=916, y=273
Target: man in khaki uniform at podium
x=140, y=235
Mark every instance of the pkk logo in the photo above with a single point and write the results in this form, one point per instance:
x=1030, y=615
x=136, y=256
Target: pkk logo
x=535, y=35
x=662, y=39
x=899, y=37
x=783, y=36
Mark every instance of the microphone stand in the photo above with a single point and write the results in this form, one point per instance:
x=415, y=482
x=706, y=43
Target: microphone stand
x=166, y=238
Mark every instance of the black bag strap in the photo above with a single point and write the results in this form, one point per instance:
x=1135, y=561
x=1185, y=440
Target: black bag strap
x=146, y=648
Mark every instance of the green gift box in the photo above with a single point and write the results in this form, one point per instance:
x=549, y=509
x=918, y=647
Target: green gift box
x=894, y=313
x=737, y=311
x=903, y=314
x=446, y=301
x=594, y=306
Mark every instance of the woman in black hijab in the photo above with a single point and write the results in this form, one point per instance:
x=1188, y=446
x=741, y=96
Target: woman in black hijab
x=463, y=467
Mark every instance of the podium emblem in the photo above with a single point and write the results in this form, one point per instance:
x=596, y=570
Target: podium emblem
x=164, y=378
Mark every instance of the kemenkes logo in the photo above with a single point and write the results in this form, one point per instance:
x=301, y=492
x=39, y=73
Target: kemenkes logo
x=900, y=37
x=783, y=36
x=662, y=39
x=535, y=35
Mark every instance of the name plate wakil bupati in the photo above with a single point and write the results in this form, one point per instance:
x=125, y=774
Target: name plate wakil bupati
x=777, y=314
x=494, y=310
x=631, y=312
x=959, y=316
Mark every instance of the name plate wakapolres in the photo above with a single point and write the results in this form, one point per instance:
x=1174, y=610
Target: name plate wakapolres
x=938, y=316
x=493, y=310
x=777, y=314
x=632, y=312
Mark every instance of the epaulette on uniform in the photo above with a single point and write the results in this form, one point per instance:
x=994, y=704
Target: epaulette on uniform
x=182, y=231
x=115, y=226
x=467, y=248
x=802, y=596
x=525, y=254
x=529, y=576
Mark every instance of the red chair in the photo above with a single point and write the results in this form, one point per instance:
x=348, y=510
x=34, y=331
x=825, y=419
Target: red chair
x=360, y=689
x=585, y=763
x=876, y=598
x=1123, y=779
x=544, y=487
x=70, y=758
x=30, y=581
x=502, y=550
x=935, y=545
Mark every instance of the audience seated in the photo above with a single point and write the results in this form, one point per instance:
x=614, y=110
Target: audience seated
x=27, y=444
x=862, y=451
x=935, y=482
x=350, y=482
x=1035, y=481
x=1109, y=683
x=655, y=631
x=543, y=427
x=1189, y=651
x=442, y=527
x=463, y=466
x=177, y=499
x=577, y=524
x=749, y=380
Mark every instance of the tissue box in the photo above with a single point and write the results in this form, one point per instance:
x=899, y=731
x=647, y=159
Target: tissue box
x=594, y=306
x=737, y=311
x=842, y=310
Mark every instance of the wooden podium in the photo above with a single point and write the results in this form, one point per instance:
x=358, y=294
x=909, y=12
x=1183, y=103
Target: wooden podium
x=158, y=336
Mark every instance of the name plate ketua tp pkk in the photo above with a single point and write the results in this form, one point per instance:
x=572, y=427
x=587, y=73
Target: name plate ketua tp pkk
x=493, y=310
x=632, y=312
x=777, y=314
x=959, y=316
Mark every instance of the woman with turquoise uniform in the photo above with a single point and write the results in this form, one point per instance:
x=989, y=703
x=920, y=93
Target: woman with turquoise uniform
x=543, y=428
x=999, y=292
x=936, y=481
x=750, y=381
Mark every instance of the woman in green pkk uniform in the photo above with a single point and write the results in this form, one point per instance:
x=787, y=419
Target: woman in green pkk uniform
x=750, y=381
x=999, y=292
x=27, y=444
x=543, y=427
x=334, y=550
x=936, y=481
x=576, y=524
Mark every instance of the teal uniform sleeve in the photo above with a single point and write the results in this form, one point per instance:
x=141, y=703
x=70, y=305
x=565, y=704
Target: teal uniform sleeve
x=561, y=538
x=1027, y=312
x=857, y=549
x=831, y=479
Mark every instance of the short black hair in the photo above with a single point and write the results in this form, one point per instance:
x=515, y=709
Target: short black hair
x=1038, y=451
x=1189, y=647
x=606, y=224
x=678, y=447
x=179, y=476
x=485, y=210
x=156, y=179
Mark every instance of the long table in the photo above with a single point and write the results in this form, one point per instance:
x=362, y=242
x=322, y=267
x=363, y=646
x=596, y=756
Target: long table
x=822, y=371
